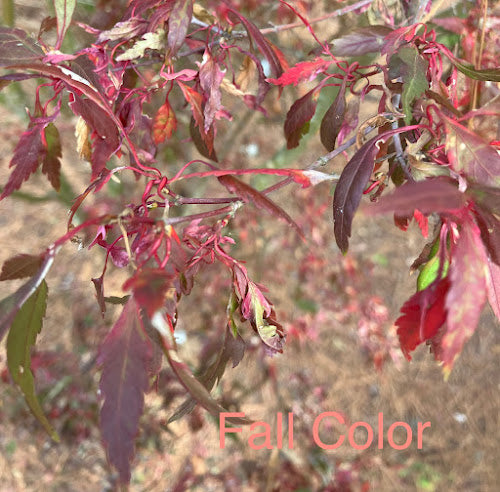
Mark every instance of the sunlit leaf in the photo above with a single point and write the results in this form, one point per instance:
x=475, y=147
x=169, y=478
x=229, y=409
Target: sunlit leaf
x=26, y=325
x=301, y=72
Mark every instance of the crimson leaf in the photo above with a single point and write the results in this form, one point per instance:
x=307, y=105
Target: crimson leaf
x=467, y=293
x=423, y=315
x=298, y=117
x=349, y=190
x=124, y=356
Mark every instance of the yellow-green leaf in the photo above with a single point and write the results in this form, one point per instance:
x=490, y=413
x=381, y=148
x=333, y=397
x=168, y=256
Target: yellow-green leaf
x=26, y=326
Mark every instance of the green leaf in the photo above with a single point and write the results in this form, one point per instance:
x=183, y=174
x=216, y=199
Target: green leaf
x=430, y=270
x=149, y=41
x=64, y=13
x=408, y=64
x=22, y=336
x=492, y=74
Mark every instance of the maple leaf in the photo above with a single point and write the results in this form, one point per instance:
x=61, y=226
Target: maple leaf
x=124, y=357
x=26, y=325
x=28, y=155
x=423, y=315
x=467, y=293
x=301, y=72
x=470, y=154
x=165, y=123
x=298, y=117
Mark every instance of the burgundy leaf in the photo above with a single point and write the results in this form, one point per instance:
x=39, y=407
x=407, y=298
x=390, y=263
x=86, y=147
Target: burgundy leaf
x=489, y=225
x=431, y=195
x=99, y=288
x=21, y=266
x=28, y=155
x=361, y=41
x=467, y=293
x=333, y=119
x=471, y=155
x=17, y=47
x=150, y=287
x=200, y=140
x=249, y=194
x=423, y=315
x=493, y=286
x=124, y=357
x=298, y=118
x=178, y=23
x=349, y=190
x=261, y=41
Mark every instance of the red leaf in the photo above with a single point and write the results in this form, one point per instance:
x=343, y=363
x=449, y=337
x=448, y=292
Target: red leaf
x=423, y=314
x=249, y=194
x=165, y=123
x=210, y=79
x=17, y=47
x=178, y=23
x=302, y=72
x=107, y=139
x=493, y=286
x=261, y=41
x=349, y=190
x=333, y=119
x=124, y=356
x=432, y=195
x=471, y=155
x=200, y=140
x=361, y=41
x=467, y=293
x=21, y=266
x=298, y=118
x=150, y=287
x=28, y=155
x=422, y=222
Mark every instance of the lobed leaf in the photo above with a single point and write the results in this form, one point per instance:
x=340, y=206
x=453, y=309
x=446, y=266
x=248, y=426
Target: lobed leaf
x=349, y=190
x=25, y=327
x=124, y=357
